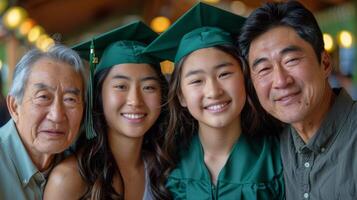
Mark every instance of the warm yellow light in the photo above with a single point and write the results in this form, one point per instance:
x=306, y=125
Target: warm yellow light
x=47, y=44
x=167, y=67
x=211, y=1
x=328, y=41
x=44, y=42
x=0, y=64
x=238, y=7
x=26, y=26
x=160, y=24
x=3, y=5
x=34, y=33
x=345, y=38
x=14, y=17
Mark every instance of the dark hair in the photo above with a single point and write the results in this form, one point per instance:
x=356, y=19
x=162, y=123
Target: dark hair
x=182, y=126
x=291, y=14
x=96, y=162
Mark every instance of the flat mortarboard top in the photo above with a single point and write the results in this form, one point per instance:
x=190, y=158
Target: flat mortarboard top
x=121, y=45
x=202, y=26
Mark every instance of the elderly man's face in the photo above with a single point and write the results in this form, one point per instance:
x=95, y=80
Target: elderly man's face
x=49, y=116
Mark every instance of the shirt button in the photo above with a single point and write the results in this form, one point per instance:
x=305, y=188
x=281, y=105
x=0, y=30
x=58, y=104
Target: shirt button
x=306, y=195
x=322, y=149
x=307, y=165
x=24, y=181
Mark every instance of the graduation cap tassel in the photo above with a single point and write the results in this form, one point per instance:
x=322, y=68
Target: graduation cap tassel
x=93, y=60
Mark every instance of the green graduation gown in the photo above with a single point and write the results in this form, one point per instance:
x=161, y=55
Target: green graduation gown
x=252, y=171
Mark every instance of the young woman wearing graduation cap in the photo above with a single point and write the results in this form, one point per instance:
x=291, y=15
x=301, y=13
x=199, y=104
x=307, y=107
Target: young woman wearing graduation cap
x=121, y=157
x=221, y=147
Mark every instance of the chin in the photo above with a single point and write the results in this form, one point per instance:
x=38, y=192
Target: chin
x=134, y=134
x=290, y=119
x=218, y=124
x=52, y=149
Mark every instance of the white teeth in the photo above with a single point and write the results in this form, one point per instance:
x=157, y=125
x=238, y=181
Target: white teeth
x=216, y=107
x=133, y=116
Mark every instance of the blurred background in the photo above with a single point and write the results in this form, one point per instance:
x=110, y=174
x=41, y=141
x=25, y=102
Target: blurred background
x=27, y=24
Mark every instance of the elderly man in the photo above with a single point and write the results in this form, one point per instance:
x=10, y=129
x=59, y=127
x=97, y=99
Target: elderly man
x=289, y=68
x=46, y=105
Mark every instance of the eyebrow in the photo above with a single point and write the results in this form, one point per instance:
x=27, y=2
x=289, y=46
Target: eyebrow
x=42, y=86
x=258, y=61
x=74, y=91
x=200, y=71
x=120, y=77
x=289, y=49
x=147, y=78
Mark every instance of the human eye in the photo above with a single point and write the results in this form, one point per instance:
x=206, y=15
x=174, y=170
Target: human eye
x=71, y=100
x=225, y=74
x=263, y=69
x=43, y=98
x=120, y=86
x=150, y=88
x=293, y=61
x=194, y=80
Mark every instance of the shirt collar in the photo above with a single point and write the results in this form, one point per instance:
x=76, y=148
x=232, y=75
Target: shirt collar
x=235, y=170
x=330, y=127
x=21, y=160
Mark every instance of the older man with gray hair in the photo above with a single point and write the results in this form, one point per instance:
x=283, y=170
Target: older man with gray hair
x=46, y=105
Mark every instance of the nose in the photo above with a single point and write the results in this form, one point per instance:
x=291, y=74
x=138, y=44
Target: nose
x=213, y=89
x=281, y=78
x=57, y=111
x=134, y=97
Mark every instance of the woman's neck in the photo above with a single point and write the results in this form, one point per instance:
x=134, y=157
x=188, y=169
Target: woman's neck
x=219, y=141
x=217, y=144
x=126, y=151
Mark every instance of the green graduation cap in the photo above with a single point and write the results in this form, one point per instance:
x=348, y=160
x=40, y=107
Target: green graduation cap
x=201, y=27
x=121, y=45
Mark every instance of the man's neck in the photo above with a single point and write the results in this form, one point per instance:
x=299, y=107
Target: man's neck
x=42, y=161
x=309, y=126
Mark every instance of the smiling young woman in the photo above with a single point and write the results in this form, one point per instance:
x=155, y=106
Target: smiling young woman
x=121, y=157
x=218, y=143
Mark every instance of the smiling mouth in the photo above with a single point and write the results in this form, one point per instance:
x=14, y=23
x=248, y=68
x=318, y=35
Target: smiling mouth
x=287, y=99
x=53, y=133
x=133, y=116
x=219, y=107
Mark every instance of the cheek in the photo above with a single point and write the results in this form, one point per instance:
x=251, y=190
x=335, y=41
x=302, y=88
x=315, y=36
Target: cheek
x=112, y=100
x=236, y=85
x=33, y=118
x=191, y=97
x=153, y=101
x=75, y=117
x=262, y=88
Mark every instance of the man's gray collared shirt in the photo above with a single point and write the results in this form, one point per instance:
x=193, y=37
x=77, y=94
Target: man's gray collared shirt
x=326, y=167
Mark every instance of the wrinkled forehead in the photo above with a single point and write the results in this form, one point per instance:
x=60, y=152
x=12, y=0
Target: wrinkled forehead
x=273, y=42
x=54, y=74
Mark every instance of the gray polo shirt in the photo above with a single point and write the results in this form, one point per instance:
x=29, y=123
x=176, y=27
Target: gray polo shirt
x=326, y=167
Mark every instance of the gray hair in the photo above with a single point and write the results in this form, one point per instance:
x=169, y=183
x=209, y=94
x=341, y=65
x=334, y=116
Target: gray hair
x=23, y=68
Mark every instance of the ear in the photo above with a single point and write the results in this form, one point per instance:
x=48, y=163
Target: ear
x=326, y=63
x=13, y=107
x=182, y=100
